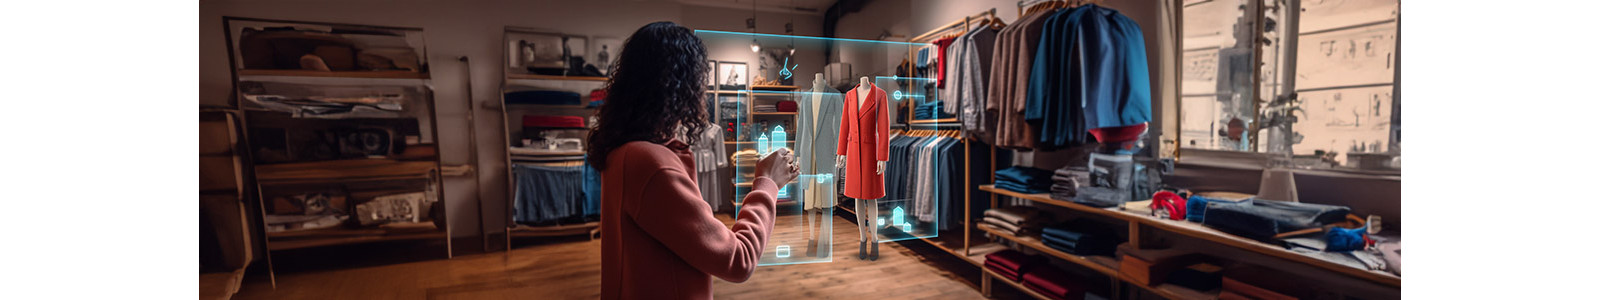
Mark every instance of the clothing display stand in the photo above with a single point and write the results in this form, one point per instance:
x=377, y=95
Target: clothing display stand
x=1142, y=231
x=963, y=247
x=511, y=114
x=256, y=90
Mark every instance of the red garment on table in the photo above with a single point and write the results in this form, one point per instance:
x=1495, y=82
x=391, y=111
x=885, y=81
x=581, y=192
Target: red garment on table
x=787, y=106
x=944, y=45
x=553, y=121
x=658, y=238
x=1053, y=283
x=864, y=141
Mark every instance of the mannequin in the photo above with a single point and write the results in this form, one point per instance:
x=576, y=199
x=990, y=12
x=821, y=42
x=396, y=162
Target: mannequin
x=864, y=139
x=816, y=137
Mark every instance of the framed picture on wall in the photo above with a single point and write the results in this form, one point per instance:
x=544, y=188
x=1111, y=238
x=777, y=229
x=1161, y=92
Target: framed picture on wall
x=732, y=75
x=603, y=51
x=711, y=74
x=537, y=53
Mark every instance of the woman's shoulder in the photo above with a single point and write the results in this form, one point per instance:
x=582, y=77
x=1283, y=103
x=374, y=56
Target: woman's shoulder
x=646, y=154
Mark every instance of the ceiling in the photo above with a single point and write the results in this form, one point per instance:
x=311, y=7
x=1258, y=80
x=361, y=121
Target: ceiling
x=810, y=7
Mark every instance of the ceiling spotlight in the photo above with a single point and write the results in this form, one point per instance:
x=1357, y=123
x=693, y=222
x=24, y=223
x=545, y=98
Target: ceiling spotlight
x=755, y=46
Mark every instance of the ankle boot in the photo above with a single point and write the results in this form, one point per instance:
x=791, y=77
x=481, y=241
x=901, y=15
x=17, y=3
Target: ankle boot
x=811, y=248
x=874, y=252
x=863, y=253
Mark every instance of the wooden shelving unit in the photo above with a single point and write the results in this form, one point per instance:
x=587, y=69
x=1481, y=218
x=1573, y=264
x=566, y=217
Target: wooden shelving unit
x=1190, y=229
x=303, y=172
x=341, y=235
x=511, y=113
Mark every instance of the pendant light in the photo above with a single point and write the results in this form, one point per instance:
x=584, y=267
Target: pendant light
x=755, y=44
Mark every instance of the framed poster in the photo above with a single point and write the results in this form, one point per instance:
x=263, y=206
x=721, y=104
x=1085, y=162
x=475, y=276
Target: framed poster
x=732, y=75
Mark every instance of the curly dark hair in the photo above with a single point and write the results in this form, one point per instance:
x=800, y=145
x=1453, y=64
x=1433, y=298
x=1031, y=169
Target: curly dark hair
x=656, y=86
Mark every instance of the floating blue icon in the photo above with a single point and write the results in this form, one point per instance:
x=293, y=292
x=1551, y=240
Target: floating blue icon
x=783, y=251
x=897, y=95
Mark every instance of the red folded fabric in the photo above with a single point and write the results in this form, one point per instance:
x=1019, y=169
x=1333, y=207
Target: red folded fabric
x=1007, y=274
x=553, y=121
x=787, y=106
x=1012, y=260
x=1040, y=290
x=597, y=95
x=1053, y=283
x=1118, y=134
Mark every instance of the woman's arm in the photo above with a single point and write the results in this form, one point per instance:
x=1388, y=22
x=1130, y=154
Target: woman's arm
x=673, y=212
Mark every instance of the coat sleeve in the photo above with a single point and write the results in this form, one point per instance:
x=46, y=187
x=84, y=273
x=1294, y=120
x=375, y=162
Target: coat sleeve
x=844, y=126
x=882, y=127
x=675, y=215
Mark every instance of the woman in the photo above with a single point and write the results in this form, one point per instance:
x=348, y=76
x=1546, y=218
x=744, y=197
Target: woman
x=658, y=238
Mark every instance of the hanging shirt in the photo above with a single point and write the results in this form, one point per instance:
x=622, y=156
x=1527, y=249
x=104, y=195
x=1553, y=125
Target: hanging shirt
x=1090, y=72
x=972, y=78
x=1008, y=81
x=944, y=47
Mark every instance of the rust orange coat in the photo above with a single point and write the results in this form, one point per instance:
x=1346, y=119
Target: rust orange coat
x=864, y=141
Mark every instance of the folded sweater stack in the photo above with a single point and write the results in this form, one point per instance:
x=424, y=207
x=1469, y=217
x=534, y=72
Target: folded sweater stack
x=1066, y=181
x=1025, y=180
x=1080, y=238
x=1054, y=283
x=1015, y=220
x=1011, y=264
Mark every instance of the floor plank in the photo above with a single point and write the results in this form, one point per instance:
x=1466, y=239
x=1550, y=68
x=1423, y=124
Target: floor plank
x=569, y=268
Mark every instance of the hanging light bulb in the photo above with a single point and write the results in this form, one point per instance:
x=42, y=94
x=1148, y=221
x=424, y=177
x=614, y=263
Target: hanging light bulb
x=791, y=49
x=755, y=46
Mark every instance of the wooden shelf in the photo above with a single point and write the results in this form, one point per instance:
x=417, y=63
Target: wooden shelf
x=1103, y=264
x=555, y=77
x=725, y=92
x=931, y=121
x=344, y=171
x=1045, y=198
x=774, y=87
x=991, y=276
x=773, y=113
x=1199, y=231
x=590, y=228
x=341, y=235
x=345, y=74
x=751, y=143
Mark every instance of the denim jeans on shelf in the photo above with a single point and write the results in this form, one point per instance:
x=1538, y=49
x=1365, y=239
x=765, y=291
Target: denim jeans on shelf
x=547, y=193
x=1262, y=219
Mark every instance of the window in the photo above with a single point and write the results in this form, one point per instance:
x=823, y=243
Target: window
x=1345, y=68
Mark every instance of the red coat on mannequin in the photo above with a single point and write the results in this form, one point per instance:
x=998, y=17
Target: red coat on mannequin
x=864, y=140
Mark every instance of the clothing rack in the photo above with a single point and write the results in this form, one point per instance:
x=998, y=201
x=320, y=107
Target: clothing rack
x=964, y=24
x=1024, y=5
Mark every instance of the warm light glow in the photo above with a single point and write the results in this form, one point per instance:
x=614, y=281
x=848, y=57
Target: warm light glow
x=755, y=46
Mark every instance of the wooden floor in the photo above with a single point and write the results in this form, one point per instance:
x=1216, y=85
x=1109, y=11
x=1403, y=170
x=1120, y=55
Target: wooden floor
x=569, y=268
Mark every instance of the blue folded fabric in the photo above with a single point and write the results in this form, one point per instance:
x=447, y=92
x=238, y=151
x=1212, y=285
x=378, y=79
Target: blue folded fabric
x=1197, y=207
x=1262, y=219
x=1345, y=240
x=1061, y=233
x=1021, y=188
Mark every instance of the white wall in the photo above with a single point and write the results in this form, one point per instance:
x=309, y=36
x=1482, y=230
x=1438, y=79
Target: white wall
x=473, y=29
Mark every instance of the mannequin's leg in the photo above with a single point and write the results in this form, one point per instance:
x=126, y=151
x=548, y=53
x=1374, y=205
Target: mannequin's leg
x=862, y=225
x=811, y=227
x=873, y=205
